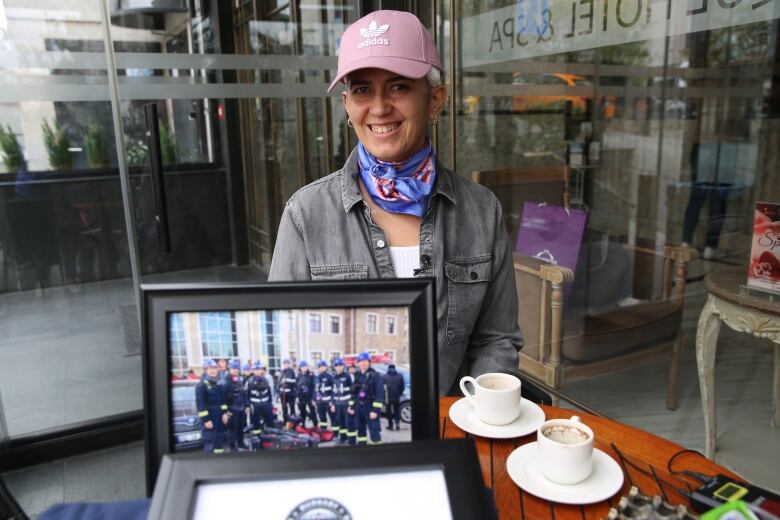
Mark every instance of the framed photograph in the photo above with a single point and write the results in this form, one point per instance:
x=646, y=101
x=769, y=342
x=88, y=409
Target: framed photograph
x=428, y=479
x=287, y=366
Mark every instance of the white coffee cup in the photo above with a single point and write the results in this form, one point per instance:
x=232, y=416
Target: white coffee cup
x=565, y=450
x=496, y=398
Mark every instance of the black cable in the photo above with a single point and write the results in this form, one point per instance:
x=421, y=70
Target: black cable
x=710, y=502
x=701, y=477
x=682, y=492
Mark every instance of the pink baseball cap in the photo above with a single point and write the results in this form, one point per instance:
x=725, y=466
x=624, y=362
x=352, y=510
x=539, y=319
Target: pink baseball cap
x=388, y=40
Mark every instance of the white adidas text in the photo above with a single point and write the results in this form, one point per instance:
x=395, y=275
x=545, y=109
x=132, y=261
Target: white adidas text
x=373, y=41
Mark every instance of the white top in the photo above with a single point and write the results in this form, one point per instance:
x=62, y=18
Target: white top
x=405, y=260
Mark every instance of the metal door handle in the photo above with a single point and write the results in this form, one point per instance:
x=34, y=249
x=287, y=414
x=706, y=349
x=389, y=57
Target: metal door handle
x=158, y=177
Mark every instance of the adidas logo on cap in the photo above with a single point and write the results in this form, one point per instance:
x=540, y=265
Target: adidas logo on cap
x=370, y=34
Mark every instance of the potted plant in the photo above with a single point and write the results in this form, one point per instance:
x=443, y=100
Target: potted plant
x=57, y=146
x=168, y=148
x=13, y=158
x=95, y=147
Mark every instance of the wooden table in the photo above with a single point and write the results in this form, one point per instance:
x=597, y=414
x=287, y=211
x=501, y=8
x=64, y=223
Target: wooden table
x=644, y=462
x=742, y=311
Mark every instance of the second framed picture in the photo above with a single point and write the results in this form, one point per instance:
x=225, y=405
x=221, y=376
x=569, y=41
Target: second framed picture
x=288, y=366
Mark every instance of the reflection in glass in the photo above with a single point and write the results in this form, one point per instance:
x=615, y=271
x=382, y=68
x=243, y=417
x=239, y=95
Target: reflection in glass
x=665, y=142
x=66, y=298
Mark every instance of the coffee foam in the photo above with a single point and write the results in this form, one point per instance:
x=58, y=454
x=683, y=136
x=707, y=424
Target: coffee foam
x=565, y=434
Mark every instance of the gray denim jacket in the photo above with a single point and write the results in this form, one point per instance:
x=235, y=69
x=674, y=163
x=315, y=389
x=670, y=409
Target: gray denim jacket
x=326, y=233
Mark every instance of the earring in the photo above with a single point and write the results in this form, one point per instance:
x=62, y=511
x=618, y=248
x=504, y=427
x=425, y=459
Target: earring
x=349, y=123
x=435, y=120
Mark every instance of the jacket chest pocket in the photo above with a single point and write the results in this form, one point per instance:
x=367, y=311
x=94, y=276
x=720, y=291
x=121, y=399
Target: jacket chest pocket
x=467, y=284
x=339, y=272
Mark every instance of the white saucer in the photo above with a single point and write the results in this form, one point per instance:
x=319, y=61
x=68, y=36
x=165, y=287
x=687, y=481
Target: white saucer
x=605, y=480
x=463, y=415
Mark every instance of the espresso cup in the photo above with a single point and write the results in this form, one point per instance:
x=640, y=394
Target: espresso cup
x=565, y=450
x=496, y=397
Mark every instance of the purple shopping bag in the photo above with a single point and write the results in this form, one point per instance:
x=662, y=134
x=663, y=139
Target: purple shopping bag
x=552, y=234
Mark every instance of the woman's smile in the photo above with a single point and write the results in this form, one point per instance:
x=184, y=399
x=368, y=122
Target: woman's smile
x=384, y=130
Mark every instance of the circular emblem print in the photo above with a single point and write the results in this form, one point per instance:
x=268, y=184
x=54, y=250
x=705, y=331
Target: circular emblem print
x=319, y=509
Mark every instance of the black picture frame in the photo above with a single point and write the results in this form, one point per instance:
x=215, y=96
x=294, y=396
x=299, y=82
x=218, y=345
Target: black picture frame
x=161, y=300
x=181, y=474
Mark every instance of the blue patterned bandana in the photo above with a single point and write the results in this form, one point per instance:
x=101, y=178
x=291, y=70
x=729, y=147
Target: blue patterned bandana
x=399, y=187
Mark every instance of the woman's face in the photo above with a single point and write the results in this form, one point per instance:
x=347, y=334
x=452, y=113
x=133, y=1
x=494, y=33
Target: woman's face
x=390, y=113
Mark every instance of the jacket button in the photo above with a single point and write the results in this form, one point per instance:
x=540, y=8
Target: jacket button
x=474, y=275
x=380, y=244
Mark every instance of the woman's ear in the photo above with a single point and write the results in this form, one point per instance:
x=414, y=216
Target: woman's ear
x=344, y=100
x=438, y=99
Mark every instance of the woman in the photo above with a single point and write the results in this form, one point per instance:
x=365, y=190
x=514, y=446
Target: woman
x=393, y=210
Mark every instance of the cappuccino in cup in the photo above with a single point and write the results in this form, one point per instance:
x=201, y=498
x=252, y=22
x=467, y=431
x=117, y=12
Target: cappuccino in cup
x=496, y=398
x=565, y=450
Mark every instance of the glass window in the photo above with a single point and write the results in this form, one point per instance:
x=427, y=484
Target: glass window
x=649, y=130
x=335, y=325
x=371, y=323
x=315, y=323
x=66, y=290
x=271, y=339
x=179, y=359
x=390, y=325
x=315, y=356
x=335, y=354
x=218, y=334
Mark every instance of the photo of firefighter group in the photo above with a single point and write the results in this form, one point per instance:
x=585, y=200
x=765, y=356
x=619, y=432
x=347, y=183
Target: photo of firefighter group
x=288, y=379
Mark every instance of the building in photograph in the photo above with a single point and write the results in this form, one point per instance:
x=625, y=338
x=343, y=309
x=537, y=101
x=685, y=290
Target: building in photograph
x=273, y=335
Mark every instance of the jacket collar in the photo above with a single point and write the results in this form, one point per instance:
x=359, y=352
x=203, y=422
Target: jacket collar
x=350, y=191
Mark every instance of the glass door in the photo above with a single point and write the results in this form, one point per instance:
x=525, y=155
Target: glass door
x=171, y=80
x=224, y=116
x=68, y=315
x=293, y=131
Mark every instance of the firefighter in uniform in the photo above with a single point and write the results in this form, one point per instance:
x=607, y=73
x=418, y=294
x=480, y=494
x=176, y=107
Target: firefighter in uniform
x=368, y=396
x=246, y=372
x=323, y=395
x=237, y=405
x=342, y=392
x=287, y=390
x=212, y=408
x=259, y=392
x=304, y=391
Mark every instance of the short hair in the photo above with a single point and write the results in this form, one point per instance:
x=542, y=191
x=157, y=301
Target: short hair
x=434, y=77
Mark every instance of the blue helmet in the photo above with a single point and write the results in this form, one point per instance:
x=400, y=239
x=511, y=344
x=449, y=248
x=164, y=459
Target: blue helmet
x=285, y=361
x=338, y=361
x=209, y=363
x=258, y=365
x=364, y=356
x=247, y=367
x=303, y=363
x=234, y=363
x=322, y=363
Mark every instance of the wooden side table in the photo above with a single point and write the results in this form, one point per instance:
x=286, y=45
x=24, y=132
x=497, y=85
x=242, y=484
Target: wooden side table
x=645, y=459
x=742, y=311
